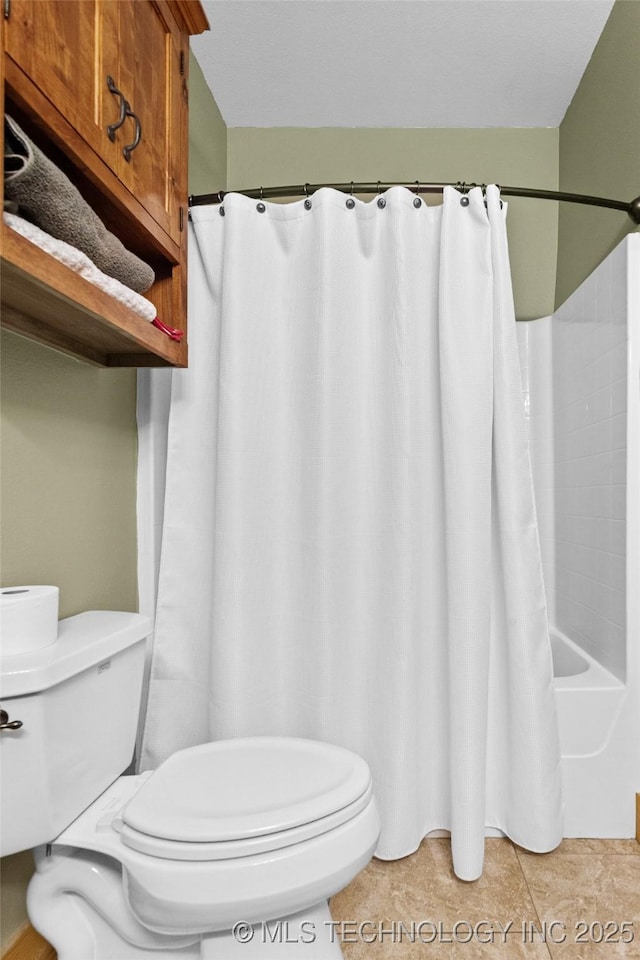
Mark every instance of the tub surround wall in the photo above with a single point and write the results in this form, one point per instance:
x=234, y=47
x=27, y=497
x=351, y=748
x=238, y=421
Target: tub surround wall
x=576, y=386
x=589, y=347
x=581, y=370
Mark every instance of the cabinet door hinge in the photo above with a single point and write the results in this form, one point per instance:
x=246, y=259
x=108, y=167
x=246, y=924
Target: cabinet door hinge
x=181, y=56
x=7, y=9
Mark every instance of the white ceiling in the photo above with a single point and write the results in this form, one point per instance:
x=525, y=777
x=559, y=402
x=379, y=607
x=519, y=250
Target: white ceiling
x=397, y=63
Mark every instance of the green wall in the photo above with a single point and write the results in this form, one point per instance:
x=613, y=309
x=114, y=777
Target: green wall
x=600, y=149
x=68, y=496
x=518, y=157
x=207, y=136
x=68, y=477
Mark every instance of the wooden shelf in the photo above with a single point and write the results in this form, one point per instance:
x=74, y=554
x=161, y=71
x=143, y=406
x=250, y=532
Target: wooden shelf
x=46, y=301
x=54, y=66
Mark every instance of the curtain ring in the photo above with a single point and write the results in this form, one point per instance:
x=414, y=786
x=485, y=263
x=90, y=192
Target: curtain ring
x=350, y=202
x=417, y=187
x=417, y=202
x=307, y=202
x=379, y=190
x=261, y=197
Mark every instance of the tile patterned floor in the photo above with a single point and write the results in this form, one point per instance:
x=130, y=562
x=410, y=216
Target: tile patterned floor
x=586, y=890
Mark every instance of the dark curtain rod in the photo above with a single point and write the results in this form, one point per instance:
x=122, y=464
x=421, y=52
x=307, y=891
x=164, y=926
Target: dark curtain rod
x=306, y=189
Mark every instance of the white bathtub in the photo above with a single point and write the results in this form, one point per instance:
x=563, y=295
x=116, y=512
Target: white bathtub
x=600, y=744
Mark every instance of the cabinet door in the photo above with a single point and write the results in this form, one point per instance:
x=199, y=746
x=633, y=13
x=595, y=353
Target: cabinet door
x=89, y=57
x=58, y=45
x=151, y=67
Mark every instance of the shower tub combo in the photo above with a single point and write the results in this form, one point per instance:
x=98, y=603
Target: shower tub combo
x=581, y=379
x=597, y=715
x=599, y=711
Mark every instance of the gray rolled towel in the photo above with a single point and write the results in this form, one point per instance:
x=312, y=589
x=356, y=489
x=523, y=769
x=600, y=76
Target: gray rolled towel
x=47, y=198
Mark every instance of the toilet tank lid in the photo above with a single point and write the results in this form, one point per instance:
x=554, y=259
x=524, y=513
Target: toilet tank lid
x=83, y=641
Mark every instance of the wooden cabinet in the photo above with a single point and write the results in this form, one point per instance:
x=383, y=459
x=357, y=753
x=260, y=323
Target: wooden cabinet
x=102, y=88
x=93, y=58
x=56, y=46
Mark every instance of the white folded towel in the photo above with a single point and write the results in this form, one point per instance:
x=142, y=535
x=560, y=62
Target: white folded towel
x=80, y=263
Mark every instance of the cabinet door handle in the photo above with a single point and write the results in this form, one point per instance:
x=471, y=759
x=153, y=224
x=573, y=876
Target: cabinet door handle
x=124, y=107
x=130, y=147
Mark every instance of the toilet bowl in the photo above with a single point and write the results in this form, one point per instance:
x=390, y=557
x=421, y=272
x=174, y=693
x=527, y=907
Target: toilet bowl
x=228, y=848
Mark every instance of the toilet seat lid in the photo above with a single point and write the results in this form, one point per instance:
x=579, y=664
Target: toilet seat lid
x=247, y=787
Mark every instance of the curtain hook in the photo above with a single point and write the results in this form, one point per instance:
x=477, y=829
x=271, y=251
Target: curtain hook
x=350, y=202
x=417, y=202
x=379, y=190
x=261, y=197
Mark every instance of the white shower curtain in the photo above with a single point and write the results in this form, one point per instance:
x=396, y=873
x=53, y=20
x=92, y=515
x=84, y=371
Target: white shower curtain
x=350, y=549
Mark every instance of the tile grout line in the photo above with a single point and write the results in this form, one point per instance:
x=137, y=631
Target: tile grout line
x=530, y=892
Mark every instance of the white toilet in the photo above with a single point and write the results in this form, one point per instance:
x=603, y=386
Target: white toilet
x=228, y=849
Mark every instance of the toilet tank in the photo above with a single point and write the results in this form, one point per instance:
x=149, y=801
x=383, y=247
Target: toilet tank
x=79, y=703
